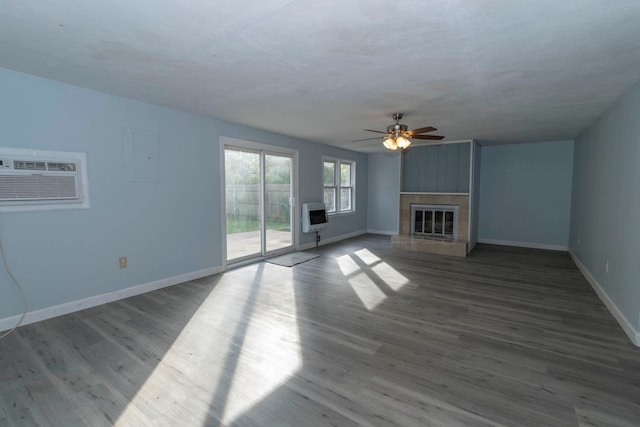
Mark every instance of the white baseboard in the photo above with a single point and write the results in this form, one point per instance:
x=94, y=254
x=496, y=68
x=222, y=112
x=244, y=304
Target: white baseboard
x=69, y=307
x=627, y=327
x=333, y=239
x=383, y=232
x=524, y=244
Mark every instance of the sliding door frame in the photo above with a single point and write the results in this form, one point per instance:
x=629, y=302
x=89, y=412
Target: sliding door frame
x=263, y=150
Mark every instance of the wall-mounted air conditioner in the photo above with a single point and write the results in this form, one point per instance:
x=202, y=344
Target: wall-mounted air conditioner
x=37, y=180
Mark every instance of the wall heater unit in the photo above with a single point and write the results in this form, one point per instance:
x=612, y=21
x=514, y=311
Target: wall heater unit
x=314, y=217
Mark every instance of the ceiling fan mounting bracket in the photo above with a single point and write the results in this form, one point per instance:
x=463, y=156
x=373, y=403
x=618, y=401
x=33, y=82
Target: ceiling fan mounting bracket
x=397, y=128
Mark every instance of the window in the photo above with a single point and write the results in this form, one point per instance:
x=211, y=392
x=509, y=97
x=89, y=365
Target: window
x=339, y=185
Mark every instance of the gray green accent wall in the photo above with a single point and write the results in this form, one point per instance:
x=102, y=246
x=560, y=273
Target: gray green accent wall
x=605, y=208
x=436, y=168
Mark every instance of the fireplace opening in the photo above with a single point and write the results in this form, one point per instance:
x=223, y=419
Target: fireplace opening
x=434, y=221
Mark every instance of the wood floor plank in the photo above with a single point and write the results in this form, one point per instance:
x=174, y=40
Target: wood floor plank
x=362, y=335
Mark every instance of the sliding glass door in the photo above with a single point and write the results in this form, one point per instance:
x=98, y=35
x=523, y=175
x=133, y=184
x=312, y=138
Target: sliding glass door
x=244, y=214
x=278, y=196
x=259, y=199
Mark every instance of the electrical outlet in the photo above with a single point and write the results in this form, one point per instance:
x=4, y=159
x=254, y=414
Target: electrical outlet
x=606, y=266
x=578, y=241
x=123, y=262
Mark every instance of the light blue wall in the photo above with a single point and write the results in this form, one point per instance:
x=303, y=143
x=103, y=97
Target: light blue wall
x=436, y=168
x=384, y=193
x=525, y=194
x=165, y=229
x=605, y=209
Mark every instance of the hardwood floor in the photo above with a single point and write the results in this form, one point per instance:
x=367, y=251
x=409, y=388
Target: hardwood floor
x=362, y=335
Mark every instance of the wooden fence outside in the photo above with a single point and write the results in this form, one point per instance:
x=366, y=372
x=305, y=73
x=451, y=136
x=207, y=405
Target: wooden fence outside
x=243, y=200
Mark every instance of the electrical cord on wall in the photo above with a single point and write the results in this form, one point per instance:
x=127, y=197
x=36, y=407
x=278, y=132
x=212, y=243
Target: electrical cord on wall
x=24, y=298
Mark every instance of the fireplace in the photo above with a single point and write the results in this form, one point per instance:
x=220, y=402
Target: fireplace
x=434, y=221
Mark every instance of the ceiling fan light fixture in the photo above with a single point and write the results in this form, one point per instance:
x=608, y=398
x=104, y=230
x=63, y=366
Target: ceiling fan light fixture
x=390, y=144
x=403, y=142
x=398, y=136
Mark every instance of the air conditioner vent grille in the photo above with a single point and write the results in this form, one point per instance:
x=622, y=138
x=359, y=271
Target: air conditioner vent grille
x=37, y=187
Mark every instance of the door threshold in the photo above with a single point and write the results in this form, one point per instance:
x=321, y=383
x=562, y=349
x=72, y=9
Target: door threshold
x=253, y=260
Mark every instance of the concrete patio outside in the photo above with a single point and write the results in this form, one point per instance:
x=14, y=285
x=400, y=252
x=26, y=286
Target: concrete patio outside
x=248, y=243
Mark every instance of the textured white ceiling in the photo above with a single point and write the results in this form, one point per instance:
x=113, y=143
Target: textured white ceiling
x=493, y=70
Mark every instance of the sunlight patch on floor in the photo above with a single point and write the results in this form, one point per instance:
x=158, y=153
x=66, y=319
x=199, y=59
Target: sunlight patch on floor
x=271, y=353
x=369, y=293
x=367, y=257
x=347, y=265
x=247, y=352
x=198, y=344
x=362, y=281
x=390, y=276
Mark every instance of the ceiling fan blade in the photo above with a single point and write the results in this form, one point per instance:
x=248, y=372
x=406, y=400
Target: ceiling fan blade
x=421, y=130
x=434, y=137
x=376, y=131
x=366, y=139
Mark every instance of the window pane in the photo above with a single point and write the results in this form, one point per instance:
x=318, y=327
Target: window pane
x=345, y=199
x=329, y=174
x=345, y=174
x=330, y=199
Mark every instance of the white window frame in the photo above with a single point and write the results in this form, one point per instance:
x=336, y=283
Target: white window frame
x=337, y=184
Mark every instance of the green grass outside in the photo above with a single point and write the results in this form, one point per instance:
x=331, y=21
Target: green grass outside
x=241, y=225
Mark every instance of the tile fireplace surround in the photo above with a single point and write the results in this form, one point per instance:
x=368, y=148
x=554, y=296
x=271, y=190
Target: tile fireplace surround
x=437, y=245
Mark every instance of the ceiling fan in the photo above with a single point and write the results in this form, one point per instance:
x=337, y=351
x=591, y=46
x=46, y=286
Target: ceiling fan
x=398, y=135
